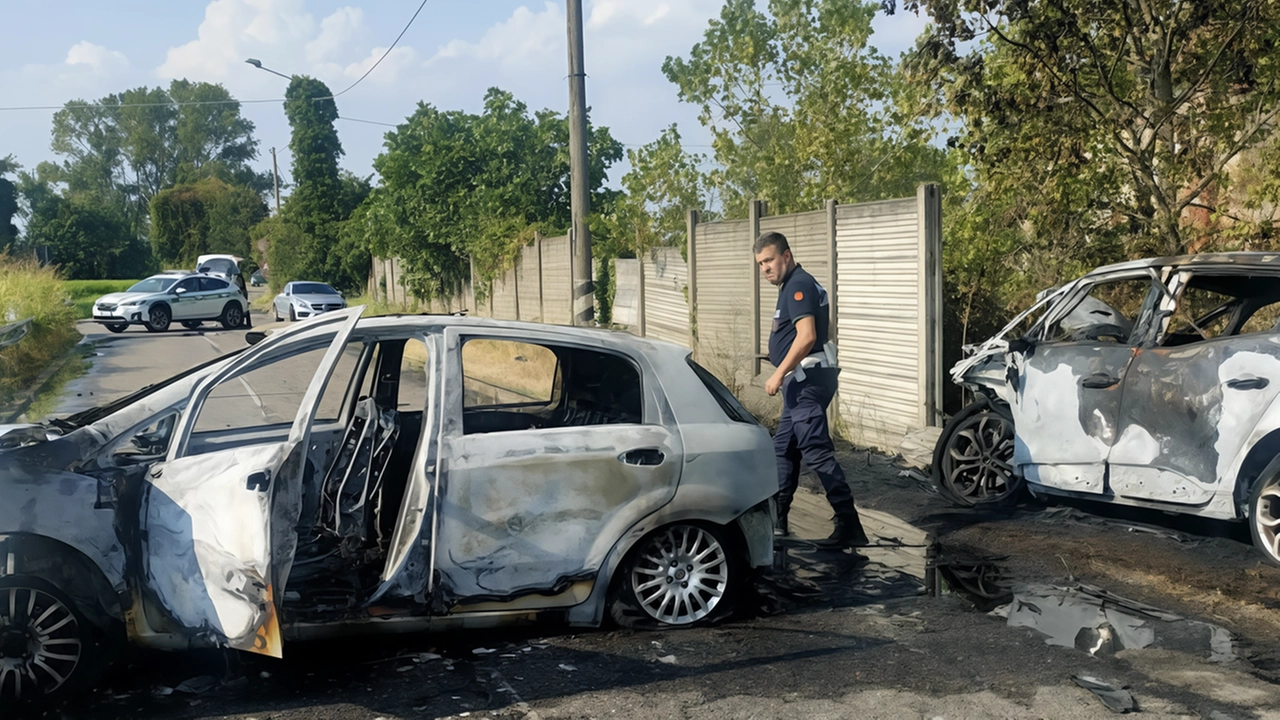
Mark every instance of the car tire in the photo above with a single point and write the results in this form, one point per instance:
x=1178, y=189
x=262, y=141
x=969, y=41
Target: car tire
x=1264, y=517
x=705, y=556
x=118, y=327
x=158, y=318
x=293, y=316
x=973, y=460
x=191, y=324
x=275, y=312
x=55, y=648
x=232, y=316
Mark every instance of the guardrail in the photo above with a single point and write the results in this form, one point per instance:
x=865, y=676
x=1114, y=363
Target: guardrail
x=13, y=332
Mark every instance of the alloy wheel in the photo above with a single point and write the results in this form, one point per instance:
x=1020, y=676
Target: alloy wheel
x=158, y=318
x=40, y=644
x=681, y=575
x=978, y=463
x=1266, y=519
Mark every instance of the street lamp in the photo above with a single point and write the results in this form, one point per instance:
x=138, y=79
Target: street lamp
x=275, y=171
x=258, y=64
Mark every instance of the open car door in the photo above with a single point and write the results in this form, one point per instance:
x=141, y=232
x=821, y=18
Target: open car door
x=218, y=528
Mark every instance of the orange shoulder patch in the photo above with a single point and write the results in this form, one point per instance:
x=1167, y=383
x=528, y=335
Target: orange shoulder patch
x=799, y=296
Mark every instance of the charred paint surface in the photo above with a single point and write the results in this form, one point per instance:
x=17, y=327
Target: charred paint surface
x=516, y=518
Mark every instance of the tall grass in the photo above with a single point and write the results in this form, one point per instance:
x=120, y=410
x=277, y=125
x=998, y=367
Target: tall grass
x=84, y=292
x=30, y=291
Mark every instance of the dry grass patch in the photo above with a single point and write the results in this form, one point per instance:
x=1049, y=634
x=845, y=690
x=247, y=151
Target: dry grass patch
x=30, y=291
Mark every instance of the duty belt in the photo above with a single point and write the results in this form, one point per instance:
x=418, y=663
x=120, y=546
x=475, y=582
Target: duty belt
x=825, y=358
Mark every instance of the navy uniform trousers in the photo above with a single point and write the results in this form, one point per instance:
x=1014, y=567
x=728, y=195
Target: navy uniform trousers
x=804, y=434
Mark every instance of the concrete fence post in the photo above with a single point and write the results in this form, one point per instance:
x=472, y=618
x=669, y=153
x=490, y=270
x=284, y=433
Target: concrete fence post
x=691, y=248
x=755, y=211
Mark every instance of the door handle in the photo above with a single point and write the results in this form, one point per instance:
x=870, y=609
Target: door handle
x=645, y=457
x=1099, y=381
x=1248, y=383
x=260, y=481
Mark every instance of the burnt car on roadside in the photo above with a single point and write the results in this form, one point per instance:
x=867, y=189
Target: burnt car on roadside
x=399, y=473
x=1153, y=383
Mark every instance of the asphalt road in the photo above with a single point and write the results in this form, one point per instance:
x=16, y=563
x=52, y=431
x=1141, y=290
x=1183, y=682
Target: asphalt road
x=820, y=638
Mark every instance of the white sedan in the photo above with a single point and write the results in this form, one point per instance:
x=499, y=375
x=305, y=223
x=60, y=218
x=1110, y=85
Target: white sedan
x=306, y=299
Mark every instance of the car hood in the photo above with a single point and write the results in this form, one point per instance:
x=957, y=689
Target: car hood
x=318, y=298
x=14, y=436
x=122, y=297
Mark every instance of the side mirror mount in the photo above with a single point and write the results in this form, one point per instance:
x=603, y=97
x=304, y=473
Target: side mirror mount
x=253, y=337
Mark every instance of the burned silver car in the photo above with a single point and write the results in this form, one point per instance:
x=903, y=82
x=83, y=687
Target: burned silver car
x=384, y=474
x=1151, y=383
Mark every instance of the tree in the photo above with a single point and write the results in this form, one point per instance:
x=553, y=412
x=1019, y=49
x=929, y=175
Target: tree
x=803, y=108
x=205, y=217
x=86, y=240
x=8, y=205
x=124, y=149
x=665, y=182
x=316, y=201
x=1120, y=121
x=459, y=188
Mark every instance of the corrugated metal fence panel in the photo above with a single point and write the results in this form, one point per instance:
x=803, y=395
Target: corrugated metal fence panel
x=504, y=296
x=557, y=281
x=626, y=293
x=666, y=276
x=879, y=304
x=723, y=304
x=810, y=246
x=529, y=280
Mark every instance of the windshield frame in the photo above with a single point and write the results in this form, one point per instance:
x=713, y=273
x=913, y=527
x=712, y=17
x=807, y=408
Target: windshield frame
x=297, y=291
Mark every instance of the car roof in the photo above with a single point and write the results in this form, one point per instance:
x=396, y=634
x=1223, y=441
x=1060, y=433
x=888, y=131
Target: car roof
x=568, y=333
x=1220, y=260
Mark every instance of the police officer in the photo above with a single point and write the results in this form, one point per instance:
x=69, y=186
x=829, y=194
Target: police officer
x=807, y=379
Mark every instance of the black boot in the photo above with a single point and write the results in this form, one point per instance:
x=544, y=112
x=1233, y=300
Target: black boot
x=848, y=532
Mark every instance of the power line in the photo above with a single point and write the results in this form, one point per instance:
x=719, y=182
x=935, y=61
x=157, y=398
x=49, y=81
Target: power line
x=367, y=122
x=233, y=101
x=388, y=52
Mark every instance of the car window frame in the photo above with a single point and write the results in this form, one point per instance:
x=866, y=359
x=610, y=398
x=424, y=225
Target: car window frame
x=1149, y=313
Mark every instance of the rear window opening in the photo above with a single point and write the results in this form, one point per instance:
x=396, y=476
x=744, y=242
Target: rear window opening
x=732, y=407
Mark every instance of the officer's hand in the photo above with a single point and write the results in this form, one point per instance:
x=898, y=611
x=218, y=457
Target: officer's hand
x=774, y=384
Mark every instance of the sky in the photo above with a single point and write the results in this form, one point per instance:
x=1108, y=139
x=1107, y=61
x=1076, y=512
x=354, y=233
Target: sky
x=453, y=52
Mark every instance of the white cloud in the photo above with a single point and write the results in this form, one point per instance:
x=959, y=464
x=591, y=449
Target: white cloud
x=522, y=41
x=96, y=57
x=233, y=30
x=338, y=32
x=388, y=71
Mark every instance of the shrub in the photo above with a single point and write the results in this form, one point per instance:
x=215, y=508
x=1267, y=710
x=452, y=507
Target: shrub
x=30, y=291
x=83, y=293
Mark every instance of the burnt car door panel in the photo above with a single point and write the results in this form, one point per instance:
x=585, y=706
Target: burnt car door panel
x=1191, y=405
x=557, y=453
x=1069, y=383
x=218, y=528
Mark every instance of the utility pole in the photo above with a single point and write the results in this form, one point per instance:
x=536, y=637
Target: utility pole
x=275, y=175
x=579, y=182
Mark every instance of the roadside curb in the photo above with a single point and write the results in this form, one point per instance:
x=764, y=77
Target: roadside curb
x=12, y=412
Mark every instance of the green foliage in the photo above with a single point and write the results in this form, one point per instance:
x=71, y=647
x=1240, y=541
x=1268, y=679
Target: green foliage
x=206, y=217
x=83, y=293
x=124, y=149
x=459, y=188
x=664, y=183
x=1109, y=131
x=803, y=109
x=30, y=291
x=290, y=253
x=8, y=205
x=85, y=239
x=316, y=201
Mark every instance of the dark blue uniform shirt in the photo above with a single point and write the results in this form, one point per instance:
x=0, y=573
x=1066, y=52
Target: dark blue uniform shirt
x=798, y=296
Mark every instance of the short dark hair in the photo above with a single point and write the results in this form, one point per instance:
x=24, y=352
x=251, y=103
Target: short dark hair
x=775, y=239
